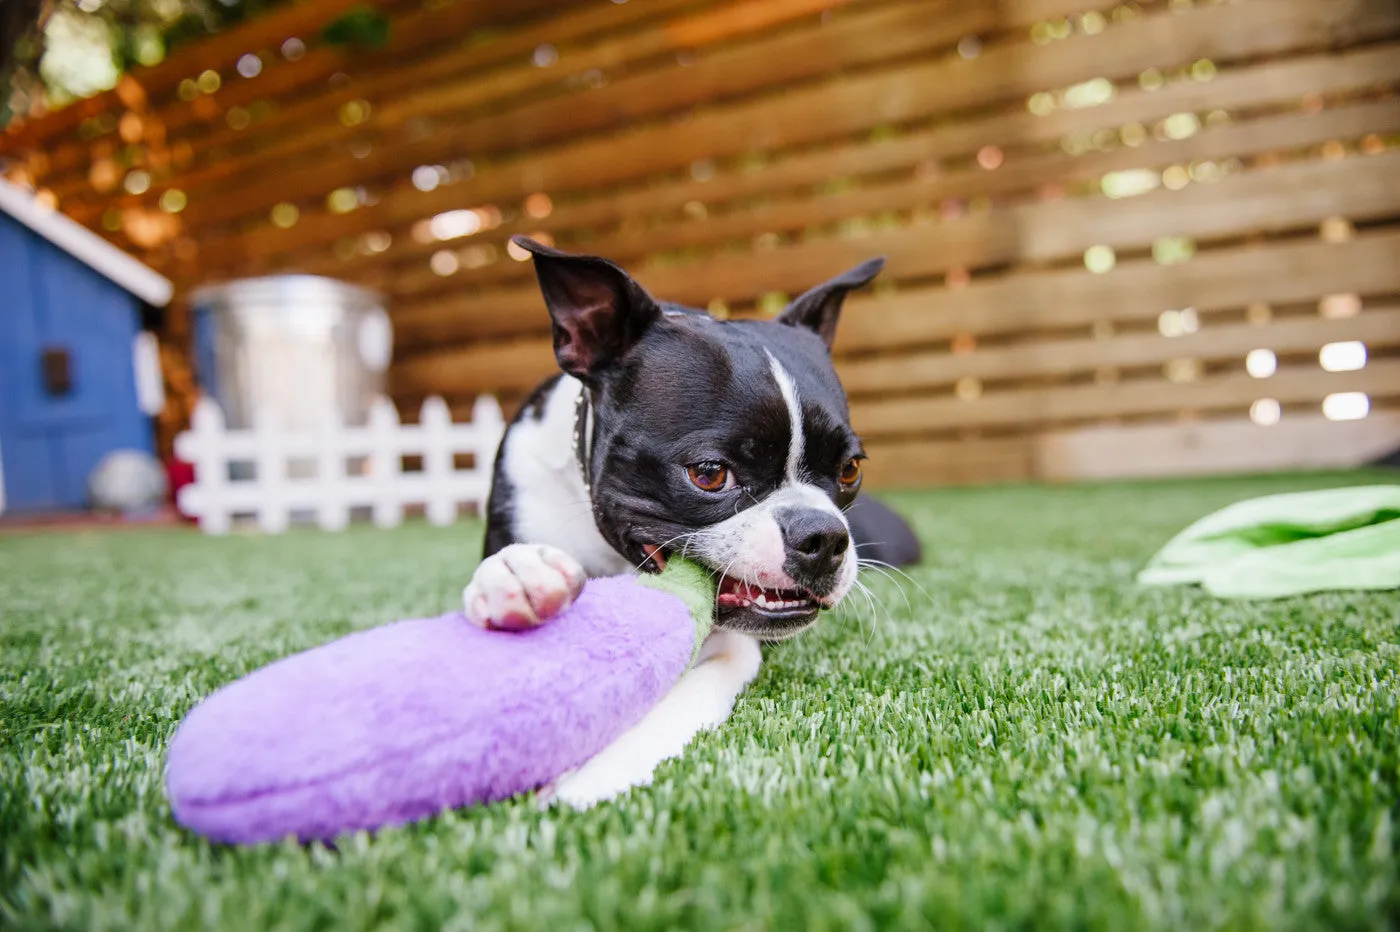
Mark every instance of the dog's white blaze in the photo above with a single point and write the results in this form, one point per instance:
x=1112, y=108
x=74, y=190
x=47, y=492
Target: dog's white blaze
x=749, y=546
x=788, y=388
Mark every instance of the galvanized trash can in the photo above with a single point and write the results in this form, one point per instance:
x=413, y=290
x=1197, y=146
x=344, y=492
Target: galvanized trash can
x=300, y=348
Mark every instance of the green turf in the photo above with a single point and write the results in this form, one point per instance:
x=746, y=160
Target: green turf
x=1033, y=742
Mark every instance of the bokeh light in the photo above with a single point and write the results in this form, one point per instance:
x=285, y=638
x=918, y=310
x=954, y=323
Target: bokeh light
x=1346, y=406
x=1347, y=356
x=1265, y=412
x=285, y=215
x=1261, y=363
x=1100, y=259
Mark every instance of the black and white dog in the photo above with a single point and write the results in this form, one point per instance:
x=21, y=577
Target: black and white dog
x=672, y=432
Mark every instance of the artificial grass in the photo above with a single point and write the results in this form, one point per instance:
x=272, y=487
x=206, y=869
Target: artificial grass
x=1033, y=741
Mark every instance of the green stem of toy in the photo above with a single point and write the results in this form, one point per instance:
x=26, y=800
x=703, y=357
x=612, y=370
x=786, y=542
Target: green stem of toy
x=694, y=585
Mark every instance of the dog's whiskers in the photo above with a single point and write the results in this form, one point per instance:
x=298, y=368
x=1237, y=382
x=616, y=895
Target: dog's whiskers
x=889, y=571
x=874, y=605
x=685, y=535
x=851, y=611
x=898, y=588
x=872, y=602
x=727, y=567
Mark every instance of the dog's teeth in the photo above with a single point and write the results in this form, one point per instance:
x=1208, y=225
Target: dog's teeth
x=739, y=593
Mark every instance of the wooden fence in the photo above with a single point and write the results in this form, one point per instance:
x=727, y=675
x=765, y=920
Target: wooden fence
x=1120, y=234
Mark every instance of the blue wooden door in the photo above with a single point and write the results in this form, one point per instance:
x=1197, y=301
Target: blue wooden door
x=67, y=379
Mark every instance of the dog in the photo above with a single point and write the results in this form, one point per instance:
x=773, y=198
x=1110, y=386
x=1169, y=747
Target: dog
x=670, y=432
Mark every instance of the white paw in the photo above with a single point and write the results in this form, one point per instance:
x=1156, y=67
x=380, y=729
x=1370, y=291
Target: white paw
x=522, y=586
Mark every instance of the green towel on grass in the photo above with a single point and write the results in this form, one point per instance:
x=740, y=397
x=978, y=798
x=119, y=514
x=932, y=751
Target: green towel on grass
x=1283, y=545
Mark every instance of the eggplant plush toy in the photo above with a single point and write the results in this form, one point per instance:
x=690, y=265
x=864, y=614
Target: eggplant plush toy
x=403, y=721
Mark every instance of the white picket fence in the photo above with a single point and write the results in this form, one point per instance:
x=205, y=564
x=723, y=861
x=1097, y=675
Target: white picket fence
x=272, y=475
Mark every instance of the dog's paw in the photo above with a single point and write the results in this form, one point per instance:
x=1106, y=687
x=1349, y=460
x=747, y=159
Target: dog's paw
x=522, y=586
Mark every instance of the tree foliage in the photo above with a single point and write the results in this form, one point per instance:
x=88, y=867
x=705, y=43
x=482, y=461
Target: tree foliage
x=62, y=50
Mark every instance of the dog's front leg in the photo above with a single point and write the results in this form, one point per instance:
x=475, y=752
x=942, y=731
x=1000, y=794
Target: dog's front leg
x=522, y=586
x=701, y=700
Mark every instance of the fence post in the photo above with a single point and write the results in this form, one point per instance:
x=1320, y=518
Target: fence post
x=435, y=423
x=332, y=506
x=490, y=424
x=202, y=447
x=271, y=473
x=384, y=436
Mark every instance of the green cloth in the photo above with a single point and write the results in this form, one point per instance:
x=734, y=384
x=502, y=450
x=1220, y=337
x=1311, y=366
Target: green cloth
x=694, y=585
x=1283, y=545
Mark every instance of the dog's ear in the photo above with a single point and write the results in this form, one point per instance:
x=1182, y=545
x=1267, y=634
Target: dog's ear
x=820, y=308
x=598, y=312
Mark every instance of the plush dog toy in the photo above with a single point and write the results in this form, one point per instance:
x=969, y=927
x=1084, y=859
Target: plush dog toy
x=400, y=722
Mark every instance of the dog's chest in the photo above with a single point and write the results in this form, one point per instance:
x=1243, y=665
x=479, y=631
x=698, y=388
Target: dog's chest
x=550, y=504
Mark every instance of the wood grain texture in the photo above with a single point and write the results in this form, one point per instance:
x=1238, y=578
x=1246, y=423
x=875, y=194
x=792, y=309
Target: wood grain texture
x=1262, y=86
x=1021, y=176
x=1378, y=327
x=876, y=331
x=1043, y=407
x=737, y=152
x=1287, y=197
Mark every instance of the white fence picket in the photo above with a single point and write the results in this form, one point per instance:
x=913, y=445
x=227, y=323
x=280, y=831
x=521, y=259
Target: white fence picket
x=274, y=491
x=382, y=447
x=332, y=483
x=202, y=447
x=270, y=473
x=435, y=424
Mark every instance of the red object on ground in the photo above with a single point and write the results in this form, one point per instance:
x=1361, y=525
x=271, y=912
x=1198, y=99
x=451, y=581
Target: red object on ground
x=179, y=474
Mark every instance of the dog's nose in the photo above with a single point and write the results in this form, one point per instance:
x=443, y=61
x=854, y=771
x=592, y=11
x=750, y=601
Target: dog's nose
x=815, y=542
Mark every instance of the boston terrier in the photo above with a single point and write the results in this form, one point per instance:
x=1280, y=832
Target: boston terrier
x=670, y=432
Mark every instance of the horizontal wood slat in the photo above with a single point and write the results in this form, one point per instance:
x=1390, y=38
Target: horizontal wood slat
x=923, y=463
x=410, y=33
x=1215, y=447
x=1135, y=291
x=1025, y=175
x=712, y=76
x=894, y=373
x=1263, y=85
x=310, y=111
x=754, y=69
x=1255, y=86
x=474, y=369
x=481, y=106
x=1289, y=196
x=1045, y=406
x=834, y=107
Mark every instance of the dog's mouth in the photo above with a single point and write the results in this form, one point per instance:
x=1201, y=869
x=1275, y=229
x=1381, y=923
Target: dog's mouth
x=767, y=614
x=771, y=603
x=770, y=614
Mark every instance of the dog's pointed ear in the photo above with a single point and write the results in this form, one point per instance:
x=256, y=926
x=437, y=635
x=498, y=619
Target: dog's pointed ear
x=597, y=311
x=820, y=308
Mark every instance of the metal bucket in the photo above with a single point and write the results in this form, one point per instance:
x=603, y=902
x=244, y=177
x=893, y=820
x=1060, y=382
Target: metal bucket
x=300, y=348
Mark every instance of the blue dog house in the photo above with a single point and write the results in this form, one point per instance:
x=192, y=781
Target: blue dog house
x=78, y=377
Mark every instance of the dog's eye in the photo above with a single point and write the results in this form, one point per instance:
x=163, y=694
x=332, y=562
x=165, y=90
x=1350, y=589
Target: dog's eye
x=850, y=473
x=709, y=477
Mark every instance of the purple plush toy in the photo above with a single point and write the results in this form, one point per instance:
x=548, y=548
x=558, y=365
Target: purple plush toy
x=401, y=722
